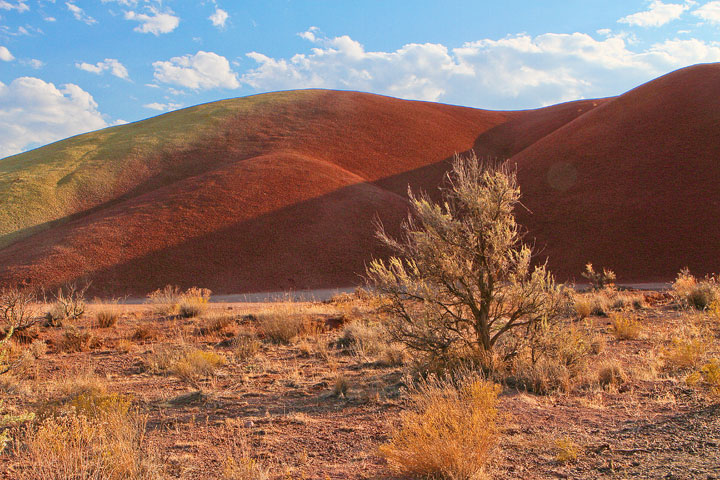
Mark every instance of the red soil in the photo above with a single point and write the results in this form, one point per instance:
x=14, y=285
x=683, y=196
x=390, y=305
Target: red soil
x=291, y=206
x=633, y=184
x=285, y=198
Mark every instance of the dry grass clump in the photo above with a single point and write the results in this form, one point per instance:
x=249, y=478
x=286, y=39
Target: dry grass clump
x=106, y=318
x=145, y=332
x=599, y=280
x=234, y=456
x=124, y=345
x=392, y=355
x=11, y=419
x=17, y=362
x=341, y=385
x=244, y=468
x=566, y=450
x=363, y=337
x=165, y=301
x=611, y=372
x=194, y=302
x=708, y=376
x=245, y=345
x=76, y=383
x=96, y=437
x=687, y=349
x=74, y=340
x=370, y=339
x=283, y=323
x=583, y=307
x=215, y=323
x=710, y=373
x=170, y=300
x=38, y=348
x=189, y=364
x=555, y=360
x=603, y=302
x=625, y=327
x=448, y=433
x=690, y=292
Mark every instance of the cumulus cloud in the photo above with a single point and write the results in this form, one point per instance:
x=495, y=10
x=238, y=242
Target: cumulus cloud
x=110, y=64
x=80, y=14
x=162, y=107
x=202, y=71
x=518, y=71
x=5, y=55
x=657, y=15
x=710, y=12
x=219, y=18
x=34, y=112
x=155, y=23
x=19, y=6
x=686, y=52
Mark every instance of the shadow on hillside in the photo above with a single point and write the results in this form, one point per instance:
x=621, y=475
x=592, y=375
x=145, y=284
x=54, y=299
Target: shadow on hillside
x=319, y=243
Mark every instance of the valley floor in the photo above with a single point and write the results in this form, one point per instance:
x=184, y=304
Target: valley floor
x=319, y=404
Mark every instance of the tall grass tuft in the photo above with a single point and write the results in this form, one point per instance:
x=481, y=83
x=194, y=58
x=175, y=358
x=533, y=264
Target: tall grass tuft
x=689, y=292
x=449, y=432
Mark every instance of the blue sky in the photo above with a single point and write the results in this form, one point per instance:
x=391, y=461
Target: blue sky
x=67, y=67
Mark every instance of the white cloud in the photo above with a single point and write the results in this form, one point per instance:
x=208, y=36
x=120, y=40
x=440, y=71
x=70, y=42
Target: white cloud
x=156, y=23
x=125, y=3
x=80, y=14
x=114, y=66
x=33, y=63
x=219, y=17
x=517, y=71
x=202, y=71
x=658, y=14
x=20, y=6
x=34, y=112
x=5, y=55
x=710, y=12
x=686, y=52
x=162, y=107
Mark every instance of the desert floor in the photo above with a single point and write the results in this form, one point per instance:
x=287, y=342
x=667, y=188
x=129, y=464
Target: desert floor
x=318, y=405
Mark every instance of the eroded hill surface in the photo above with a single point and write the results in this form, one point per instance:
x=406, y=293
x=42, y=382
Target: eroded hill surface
x=280, y=191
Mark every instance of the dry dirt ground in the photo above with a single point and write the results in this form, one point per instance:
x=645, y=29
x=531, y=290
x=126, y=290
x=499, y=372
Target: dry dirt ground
x=317, y=408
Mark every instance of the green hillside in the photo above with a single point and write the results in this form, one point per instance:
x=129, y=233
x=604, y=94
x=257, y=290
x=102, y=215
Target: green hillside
x=73, y=175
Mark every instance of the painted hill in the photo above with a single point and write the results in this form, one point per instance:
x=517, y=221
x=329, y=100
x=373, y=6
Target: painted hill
x=633, y=184
x=278, y=191
x=269, y=192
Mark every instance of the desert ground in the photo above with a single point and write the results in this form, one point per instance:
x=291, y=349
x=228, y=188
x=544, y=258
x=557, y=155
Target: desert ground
x=312, y=390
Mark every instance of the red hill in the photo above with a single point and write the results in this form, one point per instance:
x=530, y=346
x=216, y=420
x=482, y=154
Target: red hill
x=281, y=192
x=633, y=184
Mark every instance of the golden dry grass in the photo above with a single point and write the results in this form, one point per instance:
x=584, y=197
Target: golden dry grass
x=97, y=439
x=625, y=327
x=566, y=450
x=189, y=364
x=106, y=318
x=447, y=433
